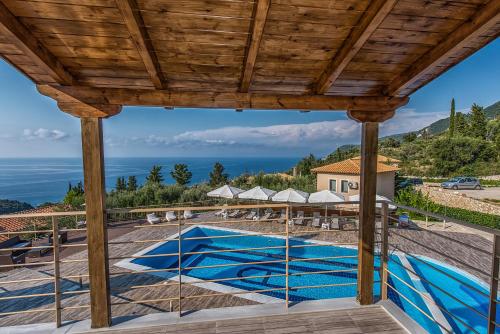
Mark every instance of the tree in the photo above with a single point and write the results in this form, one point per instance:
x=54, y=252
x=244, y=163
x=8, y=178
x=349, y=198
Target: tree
x=155, y=176
x=181, y=174
x=305, y=165
x=390, y=142
x=461, y=124
x=75, y=196
x=409, y=137
x=217, y=175
x=132, y=183
x=478, y=122
x=452, y=119
x=120, y=184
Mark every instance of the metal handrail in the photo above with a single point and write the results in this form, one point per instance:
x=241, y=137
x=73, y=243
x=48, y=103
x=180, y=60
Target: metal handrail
x=285, y=258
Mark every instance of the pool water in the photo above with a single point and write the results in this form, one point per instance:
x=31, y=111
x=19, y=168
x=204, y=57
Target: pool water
x=315, y=257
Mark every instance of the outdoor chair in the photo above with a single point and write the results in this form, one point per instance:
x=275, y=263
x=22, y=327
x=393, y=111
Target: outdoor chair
x=252, y=215
x=170, y=216
x=299, y=219
x=335, y=223
x=188, y=214
x=152, y=218
x=235, y=214
x=282, y=218
x=267, y=215
x=316, y=221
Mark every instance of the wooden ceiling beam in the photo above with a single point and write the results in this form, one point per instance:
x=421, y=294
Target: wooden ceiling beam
x=259, y=22
x=368, y=23
x=76, y=107
x=135, y=25
x=25, y=41
x=484, y=19
x=161, y=98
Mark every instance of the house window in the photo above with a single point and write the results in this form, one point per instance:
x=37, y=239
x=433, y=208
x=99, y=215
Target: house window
x=333, y=185
x=344, y=186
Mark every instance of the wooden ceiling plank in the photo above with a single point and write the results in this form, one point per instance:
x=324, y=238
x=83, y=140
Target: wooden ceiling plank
x=141, y=97
x=135, y=25
x=485, y=18
x=259, y=23
x=24, y=40
x=375, y=14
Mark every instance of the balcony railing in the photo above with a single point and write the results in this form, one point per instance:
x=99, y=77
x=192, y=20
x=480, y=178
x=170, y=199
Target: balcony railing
x=201, y=257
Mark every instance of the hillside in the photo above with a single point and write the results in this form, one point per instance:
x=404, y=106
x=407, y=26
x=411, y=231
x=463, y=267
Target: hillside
x=442, y=125
x=473, y=150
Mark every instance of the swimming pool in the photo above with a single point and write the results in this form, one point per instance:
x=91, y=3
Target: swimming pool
x=313, y=263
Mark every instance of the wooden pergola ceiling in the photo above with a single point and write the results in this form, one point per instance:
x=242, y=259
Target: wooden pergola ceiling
x=94, y=56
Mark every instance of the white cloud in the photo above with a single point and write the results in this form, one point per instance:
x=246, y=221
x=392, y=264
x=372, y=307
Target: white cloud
x=321, y=134
x=44, y=134
x=407, y=120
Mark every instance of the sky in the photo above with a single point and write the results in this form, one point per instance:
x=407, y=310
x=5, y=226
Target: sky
x=32, y=126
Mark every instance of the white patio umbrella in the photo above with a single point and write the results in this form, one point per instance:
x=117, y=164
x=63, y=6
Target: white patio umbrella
x=290, y=195
x=225, y=192
x=355, y=198
x=257, y=193
x=326, y=196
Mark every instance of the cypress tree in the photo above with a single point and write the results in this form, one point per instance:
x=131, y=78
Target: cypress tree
x=217, y=175
x=132, y=183
x=478, y=122
x=452, y=119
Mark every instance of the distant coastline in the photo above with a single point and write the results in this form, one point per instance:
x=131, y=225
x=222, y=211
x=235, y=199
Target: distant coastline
x=40, y=180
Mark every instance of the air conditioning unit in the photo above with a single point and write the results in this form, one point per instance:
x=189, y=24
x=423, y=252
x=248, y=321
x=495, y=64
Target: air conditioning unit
x=353, y=185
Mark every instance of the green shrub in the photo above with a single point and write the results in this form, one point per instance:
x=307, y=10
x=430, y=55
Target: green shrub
x=418, y=200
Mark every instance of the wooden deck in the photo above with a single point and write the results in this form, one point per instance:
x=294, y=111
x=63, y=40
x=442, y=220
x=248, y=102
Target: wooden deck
x=126, y=298
x=353, y=321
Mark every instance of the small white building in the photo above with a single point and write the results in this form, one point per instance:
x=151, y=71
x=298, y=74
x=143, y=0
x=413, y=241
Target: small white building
x=344, y=176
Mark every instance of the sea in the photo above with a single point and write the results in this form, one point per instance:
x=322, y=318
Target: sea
x=41, y=180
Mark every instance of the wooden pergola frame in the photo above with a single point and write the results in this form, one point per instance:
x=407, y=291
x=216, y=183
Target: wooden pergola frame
x=119, y=59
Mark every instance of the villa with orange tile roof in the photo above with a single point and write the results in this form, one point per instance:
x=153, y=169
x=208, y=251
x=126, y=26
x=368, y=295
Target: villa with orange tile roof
x=344, y=176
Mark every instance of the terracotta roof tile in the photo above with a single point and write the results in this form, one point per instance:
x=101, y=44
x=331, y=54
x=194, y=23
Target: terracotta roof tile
x=18, y=224
x=351, y=166
x=381, y=158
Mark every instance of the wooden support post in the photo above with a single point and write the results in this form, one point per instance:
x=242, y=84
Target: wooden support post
x=368, y=189
x=384, y=251
x=93, y=171
x=495, y=263
x=287, y=257
x=57, y=275
x=179, y=233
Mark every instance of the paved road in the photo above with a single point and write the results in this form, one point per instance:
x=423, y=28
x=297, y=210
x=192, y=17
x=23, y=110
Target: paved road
x=491, y=193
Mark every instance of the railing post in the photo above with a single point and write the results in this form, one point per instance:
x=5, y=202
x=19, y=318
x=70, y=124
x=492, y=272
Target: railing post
x=494, y=285
x=384, y=251
x=95, y=201
x=179, y=230
x=57, y=275
x=287, y=256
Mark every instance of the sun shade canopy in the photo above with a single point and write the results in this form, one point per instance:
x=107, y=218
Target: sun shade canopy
x=257, y=193
x=290, y=195
x=325, y=196
x=225, y=192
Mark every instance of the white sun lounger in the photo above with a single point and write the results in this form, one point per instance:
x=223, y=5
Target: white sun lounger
x=152, y=218
x=299, y=220
x=170, y=216
x=188, y=214
x=316, y=221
